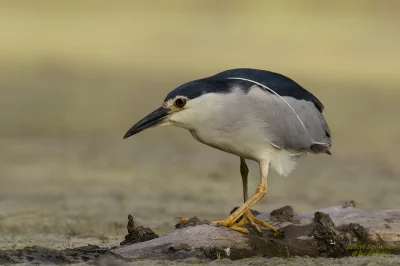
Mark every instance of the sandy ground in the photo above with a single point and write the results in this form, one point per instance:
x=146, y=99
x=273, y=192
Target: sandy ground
x=84, y=189
x=354, y=261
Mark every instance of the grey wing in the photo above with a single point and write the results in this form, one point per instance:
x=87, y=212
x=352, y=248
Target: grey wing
x=296, y=124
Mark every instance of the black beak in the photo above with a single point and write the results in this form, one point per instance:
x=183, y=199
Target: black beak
x=151, y=120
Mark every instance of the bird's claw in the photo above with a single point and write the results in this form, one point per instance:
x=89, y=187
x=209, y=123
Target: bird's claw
x=248, y=218
x=230, y=225
x=233, y=227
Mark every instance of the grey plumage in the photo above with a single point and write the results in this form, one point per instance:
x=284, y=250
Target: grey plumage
x=289, y=133
x=304, y=126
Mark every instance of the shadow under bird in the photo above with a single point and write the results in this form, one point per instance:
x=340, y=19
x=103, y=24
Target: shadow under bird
x=254, y=114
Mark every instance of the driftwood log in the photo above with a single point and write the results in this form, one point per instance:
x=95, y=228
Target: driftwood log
x=331, y=232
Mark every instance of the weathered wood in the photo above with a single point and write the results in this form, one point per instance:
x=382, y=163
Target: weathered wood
x=331, y=232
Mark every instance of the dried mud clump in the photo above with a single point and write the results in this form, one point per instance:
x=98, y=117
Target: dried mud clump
x=285, y=214
x=137, y=233
x=332, y=241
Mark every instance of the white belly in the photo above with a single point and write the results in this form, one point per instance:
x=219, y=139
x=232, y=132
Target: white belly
x=253, y=149
x=257, y=149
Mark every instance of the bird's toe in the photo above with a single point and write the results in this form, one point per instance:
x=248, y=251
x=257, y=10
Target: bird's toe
x=225, y=223
x=231, y=226
x=248, y=218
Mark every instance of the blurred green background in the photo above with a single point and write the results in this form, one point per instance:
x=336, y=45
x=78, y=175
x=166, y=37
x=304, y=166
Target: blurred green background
x=76, y=75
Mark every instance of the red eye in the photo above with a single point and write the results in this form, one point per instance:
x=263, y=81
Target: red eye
x=180, y=102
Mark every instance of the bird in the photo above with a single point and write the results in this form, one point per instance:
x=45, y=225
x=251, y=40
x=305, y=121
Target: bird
x=255, y=114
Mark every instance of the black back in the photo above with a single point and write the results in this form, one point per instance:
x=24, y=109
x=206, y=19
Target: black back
x=220, y=83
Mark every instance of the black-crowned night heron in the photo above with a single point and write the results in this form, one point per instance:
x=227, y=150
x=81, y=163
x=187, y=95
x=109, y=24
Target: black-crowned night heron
x=255, y=114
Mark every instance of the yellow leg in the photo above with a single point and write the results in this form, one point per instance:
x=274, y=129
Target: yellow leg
x=228, y=222
x=244, y=210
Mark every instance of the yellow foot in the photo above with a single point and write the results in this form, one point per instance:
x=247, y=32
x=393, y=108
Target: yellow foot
x=229, y=224
x=248, y=218
x=226, y=223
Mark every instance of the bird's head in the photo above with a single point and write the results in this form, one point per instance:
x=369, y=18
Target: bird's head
x=186, y=106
